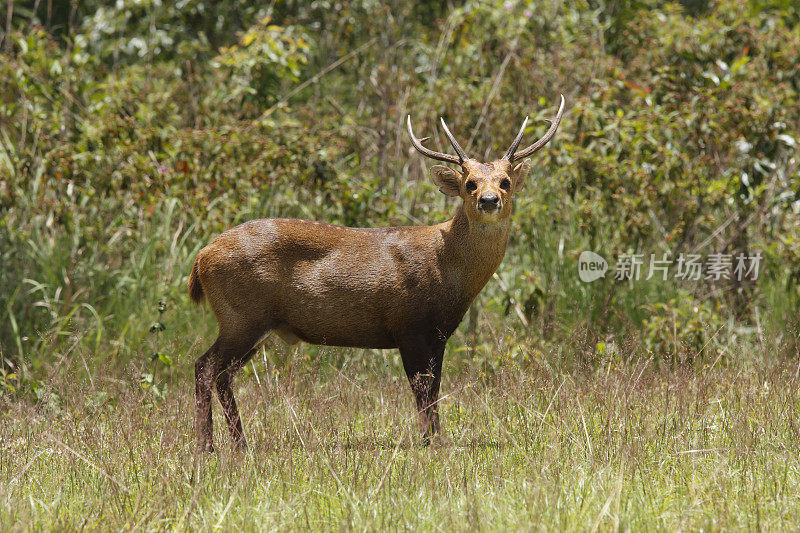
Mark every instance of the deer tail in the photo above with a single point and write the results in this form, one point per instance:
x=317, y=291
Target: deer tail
x=195, y=288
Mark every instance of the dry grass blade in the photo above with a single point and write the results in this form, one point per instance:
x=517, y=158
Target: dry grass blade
x=83, y=458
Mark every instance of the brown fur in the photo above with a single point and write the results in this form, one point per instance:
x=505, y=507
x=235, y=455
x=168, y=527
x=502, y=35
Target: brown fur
x=195, y=288
x=402, y=287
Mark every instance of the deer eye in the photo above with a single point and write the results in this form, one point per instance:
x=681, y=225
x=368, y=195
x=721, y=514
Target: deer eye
x=505, y=184
x=471, y=186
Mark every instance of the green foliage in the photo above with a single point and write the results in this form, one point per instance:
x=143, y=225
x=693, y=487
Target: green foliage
x=265, y=55
x=129, y=31
x=132, y=133
x=683, y=330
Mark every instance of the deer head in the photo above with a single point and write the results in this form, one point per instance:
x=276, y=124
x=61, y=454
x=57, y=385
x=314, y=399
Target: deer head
x=487, y=189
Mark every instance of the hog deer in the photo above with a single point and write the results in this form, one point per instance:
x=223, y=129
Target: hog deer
x=401, y=287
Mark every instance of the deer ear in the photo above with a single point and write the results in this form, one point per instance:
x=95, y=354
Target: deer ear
x=521, y=172
x=447, y=179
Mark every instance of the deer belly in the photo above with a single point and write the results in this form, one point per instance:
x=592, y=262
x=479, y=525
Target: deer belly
x=337, y=322
x=339, y=335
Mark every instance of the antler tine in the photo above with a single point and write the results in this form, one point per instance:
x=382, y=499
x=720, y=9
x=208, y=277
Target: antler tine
x=453, y=141
x=427, y=152
x=515, y=144
x=512, y=155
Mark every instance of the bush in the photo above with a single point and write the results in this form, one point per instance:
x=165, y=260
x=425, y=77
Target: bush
x=135, y=133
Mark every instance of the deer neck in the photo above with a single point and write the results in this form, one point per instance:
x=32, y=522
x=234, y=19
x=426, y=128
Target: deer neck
x=473, y=251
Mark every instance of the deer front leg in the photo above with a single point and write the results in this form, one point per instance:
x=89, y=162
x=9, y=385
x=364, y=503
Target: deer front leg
x=422, y=362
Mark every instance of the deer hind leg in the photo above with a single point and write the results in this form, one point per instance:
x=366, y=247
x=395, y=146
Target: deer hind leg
x=235, y=355
x=228, y=402
x=205, y=369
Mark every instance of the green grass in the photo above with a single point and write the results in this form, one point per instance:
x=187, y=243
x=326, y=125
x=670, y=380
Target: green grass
x=337, y=447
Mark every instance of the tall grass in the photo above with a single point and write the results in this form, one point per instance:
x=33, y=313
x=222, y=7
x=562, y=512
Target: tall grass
x=337, y=448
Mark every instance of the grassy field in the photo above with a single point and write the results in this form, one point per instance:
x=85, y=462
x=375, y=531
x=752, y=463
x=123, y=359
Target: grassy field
x=335, y=446
x=134, y=132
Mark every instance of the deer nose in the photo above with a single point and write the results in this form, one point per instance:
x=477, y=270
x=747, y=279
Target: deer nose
x=489, y=201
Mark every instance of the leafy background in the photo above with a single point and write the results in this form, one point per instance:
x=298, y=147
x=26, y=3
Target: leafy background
x=132, y=133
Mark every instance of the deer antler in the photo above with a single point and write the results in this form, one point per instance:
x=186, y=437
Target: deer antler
x=437, y=155
x=454, y=142
x=512, y=154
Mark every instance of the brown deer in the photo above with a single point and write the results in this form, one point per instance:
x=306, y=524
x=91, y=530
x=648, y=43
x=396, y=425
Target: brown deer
x=403, y=287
